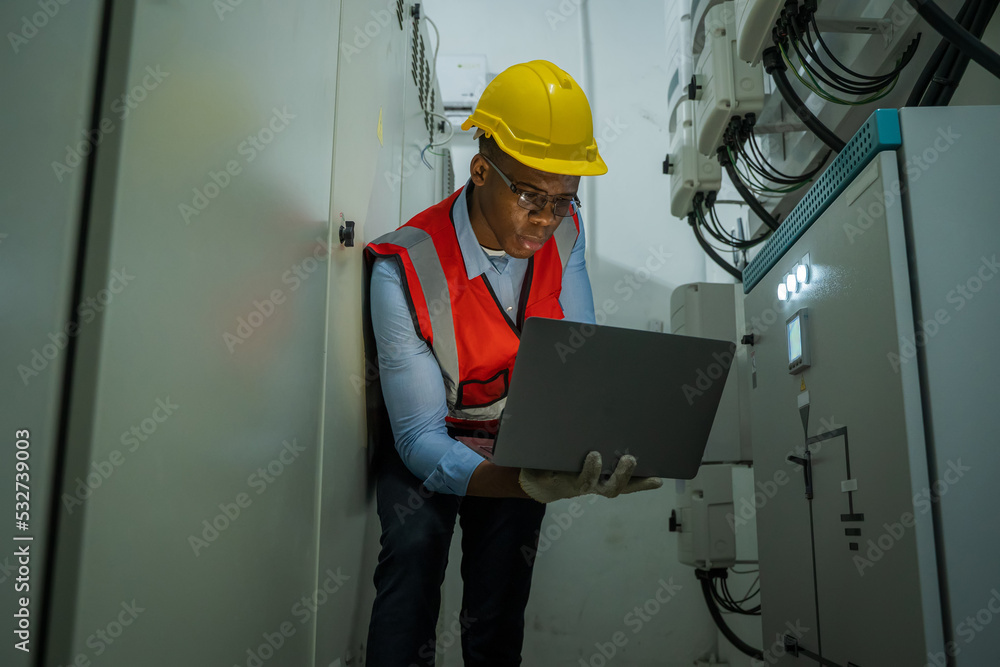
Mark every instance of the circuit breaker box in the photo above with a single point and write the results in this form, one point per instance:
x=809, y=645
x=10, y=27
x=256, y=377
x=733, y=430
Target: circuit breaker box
x=873, y=399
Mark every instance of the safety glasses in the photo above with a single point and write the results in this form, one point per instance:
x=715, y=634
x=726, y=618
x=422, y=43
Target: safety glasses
x=536, y=201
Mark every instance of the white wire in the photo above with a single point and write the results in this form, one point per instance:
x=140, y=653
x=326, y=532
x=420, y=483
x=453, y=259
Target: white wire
x=451, y=130
x=437, y=45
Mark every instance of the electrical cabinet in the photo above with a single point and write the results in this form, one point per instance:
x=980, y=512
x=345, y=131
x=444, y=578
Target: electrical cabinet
x=708, y=310
x=202, y=431
x=877, y=535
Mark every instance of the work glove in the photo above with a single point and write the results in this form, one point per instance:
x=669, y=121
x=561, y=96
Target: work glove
x=548, y=485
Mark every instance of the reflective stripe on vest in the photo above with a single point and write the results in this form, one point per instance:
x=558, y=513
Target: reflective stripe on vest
x=565, y=236
x=434, y=285
x=418, y=247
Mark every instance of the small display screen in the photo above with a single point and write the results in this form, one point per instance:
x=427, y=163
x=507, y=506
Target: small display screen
x=794, y=338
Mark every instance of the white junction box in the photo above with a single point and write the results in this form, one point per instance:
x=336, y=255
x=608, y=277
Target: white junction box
x=690, y=171
x=725, y=85
x=754, y=21
x=709, y=310
x=705, y=536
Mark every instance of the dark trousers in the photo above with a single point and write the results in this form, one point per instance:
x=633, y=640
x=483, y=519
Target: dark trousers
x=499, y=537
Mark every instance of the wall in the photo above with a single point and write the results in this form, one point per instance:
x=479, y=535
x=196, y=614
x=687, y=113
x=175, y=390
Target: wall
x=520, y=31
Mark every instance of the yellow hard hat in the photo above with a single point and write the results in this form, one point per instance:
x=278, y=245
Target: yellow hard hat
x=538, y=115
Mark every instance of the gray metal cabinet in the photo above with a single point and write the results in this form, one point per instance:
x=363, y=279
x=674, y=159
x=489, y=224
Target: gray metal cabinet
x=213, y=501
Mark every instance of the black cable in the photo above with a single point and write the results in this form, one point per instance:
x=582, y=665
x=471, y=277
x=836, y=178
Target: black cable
x=725, y=237
x=757, y=164
x=742, y=133
x=736, y=243
x=801, y=35
x=756, y=161
x=807, y=176
x=714, y=227
x=729, y=603
x=699, y=219
x=752, y=591
x=924, y=79
x=869, y=83
x=798, y=33
x=762, y=159
x=983, y=17
x=942, y=75
x=957, y=35
x=713, y=609
x=775, y=66
x=927, y=73
x=713, y=231
x=711, y=222
x=749, y=160
x=745, y=193
x=710, y=251
x=849, y=86
x=877, y=77
x=724, y=585
x=724, y=601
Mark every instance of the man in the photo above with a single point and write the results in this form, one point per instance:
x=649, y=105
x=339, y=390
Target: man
x=449, y=292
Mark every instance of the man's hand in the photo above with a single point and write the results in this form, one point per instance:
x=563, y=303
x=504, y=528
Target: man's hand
x=547, y=485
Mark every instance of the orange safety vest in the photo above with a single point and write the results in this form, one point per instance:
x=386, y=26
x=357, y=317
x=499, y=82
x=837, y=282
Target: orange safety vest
x=463, y=321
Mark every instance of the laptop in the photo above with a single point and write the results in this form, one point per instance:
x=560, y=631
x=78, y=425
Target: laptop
x=583, y=387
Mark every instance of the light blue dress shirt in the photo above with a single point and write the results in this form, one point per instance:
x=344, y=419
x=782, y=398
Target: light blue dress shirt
x=411, y=377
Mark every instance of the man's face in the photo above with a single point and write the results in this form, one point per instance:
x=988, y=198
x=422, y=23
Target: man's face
x=516, y=230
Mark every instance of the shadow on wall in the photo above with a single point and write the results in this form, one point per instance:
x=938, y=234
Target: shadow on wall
x=648, y=612
x=633, y=297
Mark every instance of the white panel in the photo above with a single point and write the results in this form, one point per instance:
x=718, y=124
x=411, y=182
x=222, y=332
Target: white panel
x=690, y=171
x=729, y=86
x=369, y=177
x=678, y=49
x=211, y=219
x=864, y=423
x=705, y=537
x=708, y=310
x=754, y=21
x=948, y=152
x=45, y=147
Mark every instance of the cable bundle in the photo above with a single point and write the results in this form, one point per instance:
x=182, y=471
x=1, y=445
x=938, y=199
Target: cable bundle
x=943, y=72
x=710, y=224
x=724, y=598
x=798, y=29
x=712, y=601
x=759, y=177
x=741, y=145
x=431, y=112
x=958, y=36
